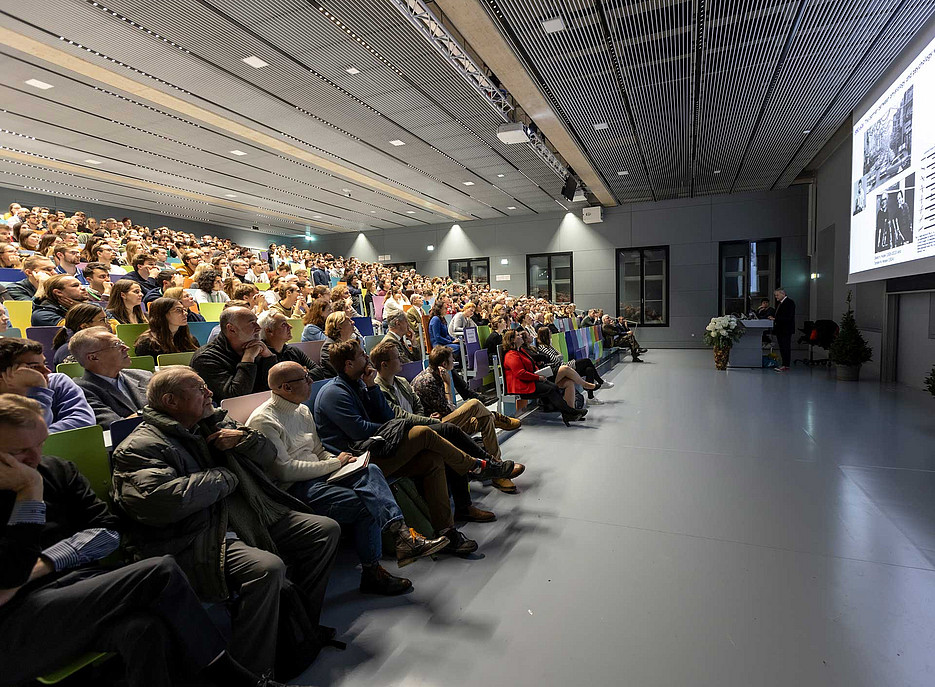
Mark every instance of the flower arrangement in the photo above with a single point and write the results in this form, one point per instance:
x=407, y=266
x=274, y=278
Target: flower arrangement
x=722, y=332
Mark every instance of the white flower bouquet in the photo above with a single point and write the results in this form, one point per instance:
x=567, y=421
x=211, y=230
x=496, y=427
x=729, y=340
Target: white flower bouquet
x=722, y=332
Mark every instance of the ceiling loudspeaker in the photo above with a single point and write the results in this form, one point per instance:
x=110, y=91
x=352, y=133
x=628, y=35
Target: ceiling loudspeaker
x=592, y=215
x=513, y=132
x=571, y=185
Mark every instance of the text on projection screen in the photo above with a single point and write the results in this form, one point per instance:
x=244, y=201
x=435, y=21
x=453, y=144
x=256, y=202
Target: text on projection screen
x=893, y=176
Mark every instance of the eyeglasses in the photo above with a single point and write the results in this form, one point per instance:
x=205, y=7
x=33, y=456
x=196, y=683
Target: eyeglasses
x=116, y=344
x=306, y=378
x=201, y=388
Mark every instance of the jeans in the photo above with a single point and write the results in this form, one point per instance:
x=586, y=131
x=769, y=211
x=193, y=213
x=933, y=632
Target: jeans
x=364, y=501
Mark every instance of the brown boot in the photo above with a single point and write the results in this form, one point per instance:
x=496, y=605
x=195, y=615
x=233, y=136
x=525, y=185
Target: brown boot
x=475, y=514
x=504, y=485
x=501, y=421
x=410, y=545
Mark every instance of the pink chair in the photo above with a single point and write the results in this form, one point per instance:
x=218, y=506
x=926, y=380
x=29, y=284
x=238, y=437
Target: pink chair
x=240, y=407
x=310, y=348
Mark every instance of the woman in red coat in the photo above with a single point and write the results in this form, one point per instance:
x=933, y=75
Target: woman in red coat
x=522, y=380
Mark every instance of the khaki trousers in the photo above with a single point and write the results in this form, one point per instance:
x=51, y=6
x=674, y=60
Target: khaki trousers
x=473, y=416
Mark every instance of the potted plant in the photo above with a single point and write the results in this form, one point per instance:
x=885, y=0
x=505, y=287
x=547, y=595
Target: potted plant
x=849, y=350
x=930, y=381
x=720, y=334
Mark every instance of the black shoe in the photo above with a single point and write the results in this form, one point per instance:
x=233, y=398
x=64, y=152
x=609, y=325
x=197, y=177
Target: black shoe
x=643, y=350
x=459, y=544
x=573, y=416
x=376, y=580
x=637, y=360
x=494, y=471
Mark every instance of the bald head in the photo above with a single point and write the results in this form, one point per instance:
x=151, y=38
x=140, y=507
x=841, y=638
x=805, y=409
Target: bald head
x=290, y=381
x=283, y=372
x=239, y=326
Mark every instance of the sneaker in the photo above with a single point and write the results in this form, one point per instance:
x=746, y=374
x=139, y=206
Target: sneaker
x=459, y=544
x=410, y=545
x=475, y=514
x=493, y=471
x=501, y=421
x=607, y=385
x=376, y=580
x=595, y=401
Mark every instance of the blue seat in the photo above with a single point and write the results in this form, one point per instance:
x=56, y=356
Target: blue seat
x=364, y=325
x=313, y=394
x=201, y=330
x=9, y=274
x=410, y=370
x=121, y=429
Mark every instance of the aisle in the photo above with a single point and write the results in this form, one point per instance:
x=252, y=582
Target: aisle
x=700, y=528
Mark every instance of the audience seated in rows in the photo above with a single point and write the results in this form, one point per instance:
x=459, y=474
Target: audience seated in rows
x=351, y=410
x=113, y=391
x=23, y=372
x=168, y=330
x=193, y=485
x=573, y=370
x=362, y=500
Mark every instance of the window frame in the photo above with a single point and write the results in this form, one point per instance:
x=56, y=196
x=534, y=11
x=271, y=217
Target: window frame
x=486, y=259
x=746, y=281
x=571, y=268
x=642, y=250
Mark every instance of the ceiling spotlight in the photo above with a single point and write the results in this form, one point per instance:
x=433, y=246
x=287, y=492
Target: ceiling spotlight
x=255, y=62
x=93, y=162
x=553, y=25
x=500, y=176
x=430, y=247
x=468, y=183
x=397, y=143
x=510, y=207
x=230, y=195
x=504, y=261
x=600, y=126
x=39, y=84
x=410, y=212
x=237, y=152
x=717, y=171
x=352, y=70
x=807, y=132
x=623, y=173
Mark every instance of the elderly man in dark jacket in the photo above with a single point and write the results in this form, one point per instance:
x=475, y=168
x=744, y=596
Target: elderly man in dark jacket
x=237, y=362
x=194, y=483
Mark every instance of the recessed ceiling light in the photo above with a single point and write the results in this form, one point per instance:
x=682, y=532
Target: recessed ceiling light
x=622, y=173
x=553, y=25
x=600, y=126
x=430, y=247
x=230, y=195
x=717, y=171
x=468, y=183
x=352, y=70
x=237, y=152
x=255, y=62
x=807, y=132
x=373, y=212
x=410, y=212
x=93, y=162
x=316, y=216
x=39, y=84
x=504, y=261
x=397, y=143
x=510, y=207
x=500, y=176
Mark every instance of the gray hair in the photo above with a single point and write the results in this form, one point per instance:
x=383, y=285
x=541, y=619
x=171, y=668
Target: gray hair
x=267, y=320
x=395, y=319
x=83, y=342
x=166, y=382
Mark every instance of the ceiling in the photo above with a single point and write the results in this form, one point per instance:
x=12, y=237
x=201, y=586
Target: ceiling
x=149, y=99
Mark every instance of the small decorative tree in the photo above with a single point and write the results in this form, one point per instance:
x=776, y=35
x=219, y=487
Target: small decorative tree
x=850, y=350
x=930, y=381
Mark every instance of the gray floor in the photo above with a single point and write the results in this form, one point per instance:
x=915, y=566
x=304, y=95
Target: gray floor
x=700, y=528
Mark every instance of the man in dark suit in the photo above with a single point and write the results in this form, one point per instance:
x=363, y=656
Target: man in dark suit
x=114, y=392
x=784, y=326
x=400, y=334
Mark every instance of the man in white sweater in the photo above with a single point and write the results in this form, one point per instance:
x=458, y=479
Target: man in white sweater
x=362, y=499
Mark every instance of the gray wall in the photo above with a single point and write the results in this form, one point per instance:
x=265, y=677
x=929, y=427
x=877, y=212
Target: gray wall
x=243, y=237
x=692, y=228
x=915, y=352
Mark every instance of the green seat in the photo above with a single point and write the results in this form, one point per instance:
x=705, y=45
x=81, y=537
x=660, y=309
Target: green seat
x=129, y=333
x=371, y=341
x=73, y=667
x=297, y=327
x=138, y=362
x=261, y=286
x=211, y=311
x=85, y=448
x=13, y=333
x=483, y=332
x=168, y=359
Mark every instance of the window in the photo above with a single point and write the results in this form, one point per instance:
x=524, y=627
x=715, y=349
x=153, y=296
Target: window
x=549, y=276
x=749, y=272
x=475, y=269
x=643, y=285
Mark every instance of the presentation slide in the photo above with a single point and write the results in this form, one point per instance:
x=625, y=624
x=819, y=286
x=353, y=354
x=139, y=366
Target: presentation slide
x=893, y=176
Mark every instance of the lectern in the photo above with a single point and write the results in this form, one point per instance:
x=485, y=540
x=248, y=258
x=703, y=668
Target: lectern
x=748, y=352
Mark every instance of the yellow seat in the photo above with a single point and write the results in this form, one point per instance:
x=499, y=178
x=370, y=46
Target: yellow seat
x=20, y=314
x=211, y=311
x=297, y=328
x=169, y=359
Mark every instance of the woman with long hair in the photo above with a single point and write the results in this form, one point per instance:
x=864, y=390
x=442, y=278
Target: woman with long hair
x=338, y=327
x=89, y=247
x=125, y=303
x=519, y=371
x=29, y=240
x=574, y=370
x=47, y=244
x=79, y=316
x=185, y=298
x=168, y=330
x=314, y=320
x=209, y=288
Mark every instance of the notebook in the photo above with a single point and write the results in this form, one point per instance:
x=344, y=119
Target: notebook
x=350, y=469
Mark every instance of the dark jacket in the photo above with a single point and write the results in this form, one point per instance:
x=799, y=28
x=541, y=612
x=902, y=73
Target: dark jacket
x=321, y=277
x=47, y=313
x=146, y=285
x=407, y=354
x=294, y=355
x=109, y=404
x=347, y=412
x=71, y=507
x=219, y=365
x=177, y=491
x=21, y=290
x=784, y=324
x=494, y=339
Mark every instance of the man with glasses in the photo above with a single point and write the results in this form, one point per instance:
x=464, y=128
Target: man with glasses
x=114, y=391
x=237, y=362
x=66, y=262
x=107, y=255
x=23, y=372
x=276, y=332
x=192, y=481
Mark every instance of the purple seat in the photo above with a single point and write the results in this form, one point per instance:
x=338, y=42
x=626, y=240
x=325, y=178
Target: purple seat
x=410, y=370
x=44, y=335
x=481, y=369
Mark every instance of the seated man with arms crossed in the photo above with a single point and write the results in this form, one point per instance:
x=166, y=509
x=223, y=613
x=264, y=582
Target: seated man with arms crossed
x=57, y=603
x=192, y=482
x=352, y=409
x=113, y=390
x=464, y=421
x=23, y=372
x=364, y=499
